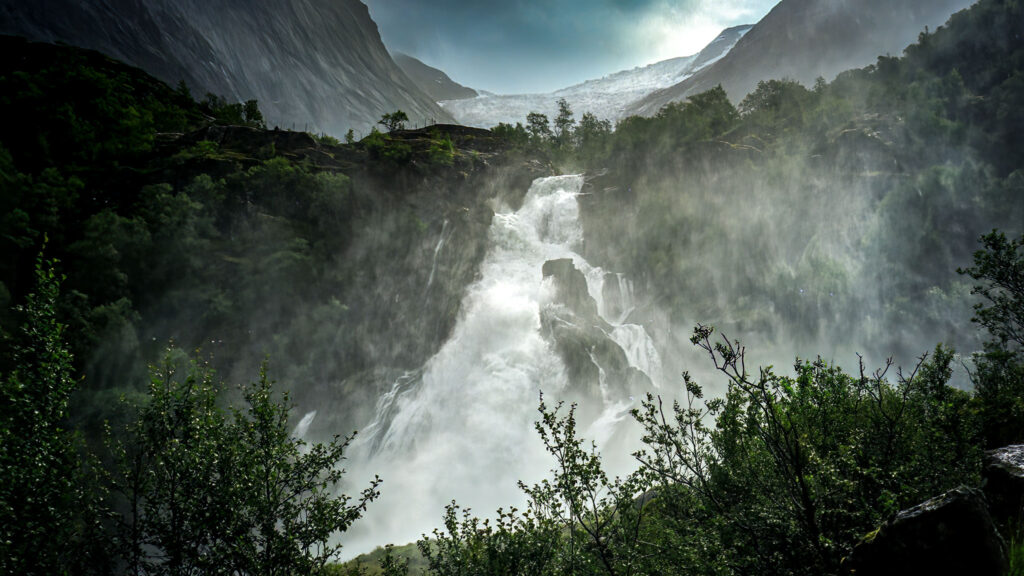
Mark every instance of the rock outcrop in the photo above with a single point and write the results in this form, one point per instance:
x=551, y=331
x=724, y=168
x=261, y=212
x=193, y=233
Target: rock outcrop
x=597, y=366
x=950, y=534
x=1004, y=483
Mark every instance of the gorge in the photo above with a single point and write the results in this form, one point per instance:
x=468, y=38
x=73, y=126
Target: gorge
x=425, y=285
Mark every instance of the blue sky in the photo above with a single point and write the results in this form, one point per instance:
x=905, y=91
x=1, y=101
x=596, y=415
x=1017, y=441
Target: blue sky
x=512, y=46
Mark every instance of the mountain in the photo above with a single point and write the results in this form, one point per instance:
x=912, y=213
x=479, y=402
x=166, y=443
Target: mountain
x=607, y=98
x=432, y=81
x=317, y=65
x=806, y=39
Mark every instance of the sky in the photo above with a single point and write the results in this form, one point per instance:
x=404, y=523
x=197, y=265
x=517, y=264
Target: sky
x=524, y=46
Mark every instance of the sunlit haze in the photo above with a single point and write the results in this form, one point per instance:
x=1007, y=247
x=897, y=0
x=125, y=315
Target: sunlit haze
x=507, y=47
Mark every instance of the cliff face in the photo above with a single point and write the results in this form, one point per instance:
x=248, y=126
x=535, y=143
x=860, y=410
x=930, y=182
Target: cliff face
x=434, y=82
x=316, y=65
x=804, y=39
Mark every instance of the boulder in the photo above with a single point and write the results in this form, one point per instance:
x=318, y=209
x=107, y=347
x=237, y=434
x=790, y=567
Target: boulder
x=949, y=534
x=571, y=287
x=1004, y=483
x=597, y=367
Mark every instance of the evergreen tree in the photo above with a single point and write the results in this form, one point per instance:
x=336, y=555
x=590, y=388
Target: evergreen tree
x=564, y=123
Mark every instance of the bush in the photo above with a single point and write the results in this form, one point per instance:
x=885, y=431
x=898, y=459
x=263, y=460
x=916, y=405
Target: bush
x=226, y=491
x=999, y=378
x=797, y=469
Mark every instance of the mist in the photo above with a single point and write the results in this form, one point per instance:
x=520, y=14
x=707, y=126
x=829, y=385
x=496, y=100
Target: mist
x=423, y=289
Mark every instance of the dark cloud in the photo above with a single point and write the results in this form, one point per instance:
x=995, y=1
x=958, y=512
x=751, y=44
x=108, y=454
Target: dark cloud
x=540, y=45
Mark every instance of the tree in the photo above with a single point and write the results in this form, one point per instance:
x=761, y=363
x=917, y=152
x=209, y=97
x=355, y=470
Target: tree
x=394, y=120
x=350, y=136
x=538, y=126
x=391, y=565
x=515, y=543
x=515, y=135
x=233, y=114
x=602, y=516
x=564, y=123
x=797, y=469
x=227, y=491
x=592, y=136
x=50, y=513
x=999, y=378
x=252, y=115
x=578, y=522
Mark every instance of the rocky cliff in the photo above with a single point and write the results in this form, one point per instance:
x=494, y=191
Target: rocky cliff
x=435, y=83
x=804, y=39
x=314, y=65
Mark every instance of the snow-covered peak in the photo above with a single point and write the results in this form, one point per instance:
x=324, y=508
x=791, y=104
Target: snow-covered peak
x=608, y=98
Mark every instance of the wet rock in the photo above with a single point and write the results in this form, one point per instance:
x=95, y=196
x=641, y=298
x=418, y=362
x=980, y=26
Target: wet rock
x=949, y=534
x=571, y=287
x=597, y=367
x=1004, y=482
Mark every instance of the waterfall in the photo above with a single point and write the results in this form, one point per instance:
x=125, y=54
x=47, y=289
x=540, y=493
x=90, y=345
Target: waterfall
x=625, y=296
x=462, y=427
x=303, y=426
x=437, y=251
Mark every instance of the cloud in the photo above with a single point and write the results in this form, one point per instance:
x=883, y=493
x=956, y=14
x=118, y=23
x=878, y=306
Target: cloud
x=541, y=45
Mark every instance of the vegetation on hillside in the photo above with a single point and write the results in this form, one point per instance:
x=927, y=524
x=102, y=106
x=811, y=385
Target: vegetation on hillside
x=801, y=208
x=189, y=221
x=166, y=219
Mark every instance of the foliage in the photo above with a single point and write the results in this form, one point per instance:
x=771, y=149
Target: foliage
x=50, y=504
x=516, y=135
x=394, y=120
x=325, y=139
x=391, y=565
x=1000, y=266
x=740, y=212
x=999, y=378
x=515, y=543
x=796, y=469
x=441, y=150
x=538, y=126
x=578, y=522
x=233, y=114
x=216, y=491
x=1015, y=551
x=564, y=123
x=388, y=560
x=383, y=147
x=592, y=137
x=743, y=212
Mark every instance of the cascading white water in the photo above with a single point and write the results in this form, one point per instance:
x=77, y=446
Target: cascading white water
x=625, y=295
x=303, y=426
x=437, y=250
x=463, y=428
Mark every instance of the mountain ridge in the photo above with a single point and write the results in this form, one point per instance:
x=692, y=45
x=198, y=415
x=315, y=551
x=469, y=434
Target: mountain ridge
x=317, y=65
x=806, y=39
x=606, y=97
x=432, y=81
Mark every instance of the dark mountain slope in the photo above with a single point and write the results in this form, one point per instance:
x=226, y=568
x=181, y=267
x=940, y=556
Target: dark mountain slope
x=806, y=39
x=434, y=82
x=312, y=64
